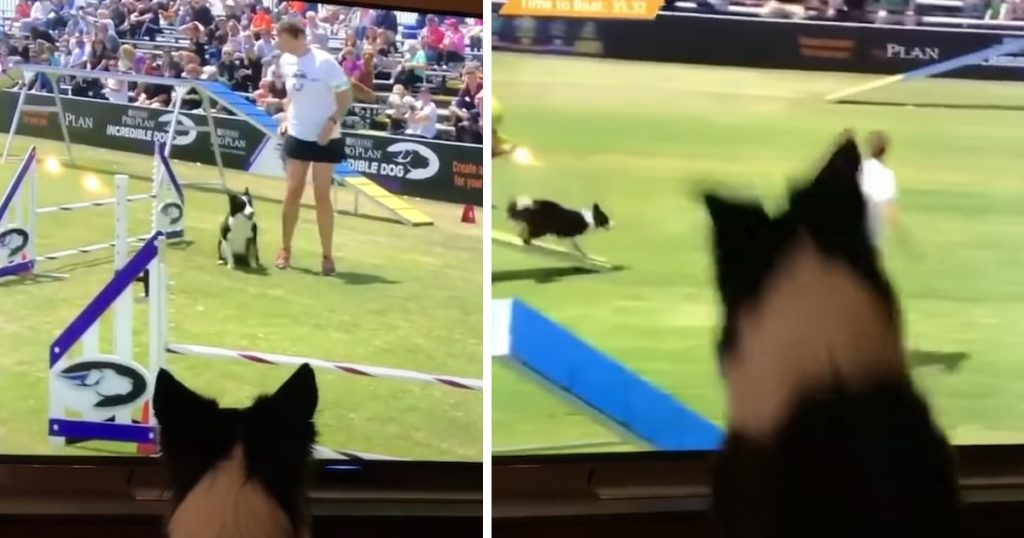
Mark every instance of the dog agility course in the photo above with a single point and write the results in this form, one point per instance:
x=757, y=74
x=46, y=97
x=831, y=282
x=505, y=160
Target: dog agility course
x=956, y=269
x=397, y=355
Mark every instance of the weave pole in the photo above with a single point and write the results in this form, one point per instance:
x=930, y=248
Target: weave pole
x=345, y=367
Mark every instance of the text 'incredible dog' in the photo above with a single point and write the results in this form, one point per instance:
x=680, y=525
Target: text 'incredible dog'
x=237, y=472
x=539, y=218
x=827, y=435
x=237, y=244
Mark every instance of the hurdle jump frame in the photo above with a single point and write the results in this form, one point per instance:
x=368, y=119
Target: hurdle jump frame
x=84, y=330
x=18, y=209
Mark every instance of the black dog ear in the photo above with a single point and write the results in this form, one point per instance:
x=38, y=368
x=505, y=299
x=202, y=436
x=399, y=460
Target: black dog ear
x=174, y=402
x=247, y=190
x=741, y=235
x=832, y=206
x=735, y=224
x=297, y=397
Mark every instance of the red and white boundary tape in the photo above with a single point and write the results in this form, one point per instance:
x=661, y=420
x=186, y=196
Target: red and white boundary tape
x=348, y=368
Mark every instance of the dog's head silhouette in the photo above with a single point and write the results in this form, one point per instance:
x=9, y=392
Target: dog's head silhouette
x=826, y=433
x=237, y=472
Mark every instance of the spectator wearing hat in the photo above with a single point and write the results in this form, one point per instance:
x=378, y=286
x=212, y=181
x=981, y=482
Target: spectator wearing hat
x=454, y=45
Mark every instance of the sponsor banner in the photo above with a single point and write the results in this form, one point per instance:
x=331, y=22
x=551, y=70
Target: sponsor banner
x=423, y=168
x=755, y=42
x=417, y=167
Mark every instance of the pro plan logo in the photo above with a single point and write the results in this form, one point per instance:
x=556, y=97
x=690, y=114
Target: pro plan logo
x=13, y=243
x=184, y=132
x=99, y=387
x=896, y=51
x=420, y=162
x=402, y=160
x=139, y=125
x=826, y=47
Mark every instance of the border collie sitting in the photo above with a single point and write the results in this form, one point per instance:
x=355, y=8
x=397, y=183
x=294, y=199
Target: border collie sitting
x=538, y=218
x=237, y=244
x=237, y=472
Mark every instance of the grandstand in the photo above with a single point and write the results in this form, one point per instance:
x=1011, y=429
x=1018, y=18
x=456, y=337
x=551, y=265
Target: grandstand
x=157, y=47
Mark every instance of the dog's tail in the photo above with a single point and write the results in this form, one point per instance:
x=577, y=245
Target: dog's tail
x=518, y=208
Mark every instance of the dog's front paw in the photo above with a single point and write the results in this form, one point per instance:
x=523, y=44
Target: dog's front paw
x=221, y=262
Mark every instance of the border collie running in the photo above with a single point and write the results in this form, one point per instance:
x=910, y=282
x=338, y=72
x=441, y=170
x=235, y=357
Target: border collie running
x=538, y=218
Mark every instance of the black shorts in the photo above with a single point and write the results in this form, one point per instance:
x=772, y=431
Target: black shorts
x=304, y=150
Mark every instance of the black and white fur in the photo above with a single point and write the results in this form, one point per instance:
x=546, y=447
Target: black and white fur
x=539, y=218
x=237, y=244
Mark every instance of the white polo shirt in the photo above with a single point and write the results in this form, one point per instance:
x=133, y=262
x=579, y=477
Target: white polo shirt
x=312, y=81
x=426, y=127
x=878, y=184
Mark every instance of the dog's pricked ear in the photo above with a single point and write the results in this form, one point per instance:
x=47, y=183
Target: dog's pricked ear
x=841, y=168
x=172, y=399
x=734, y=223
x=247, y=190
x=832, y=206
x=297, y=397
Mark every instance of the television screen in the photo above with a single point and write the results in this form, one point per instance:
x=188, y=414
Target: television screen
x=130, y=243
x=609, y=342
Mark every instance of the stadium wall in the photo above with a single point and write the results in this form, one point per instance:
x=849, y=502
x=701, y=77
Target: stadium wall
x=429, y=169
x=756, y=42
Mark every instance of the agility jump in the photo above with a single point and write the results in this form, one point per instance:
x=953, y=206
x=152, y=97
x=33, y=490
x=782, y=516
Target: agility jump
x=18, y=212
x=552, y=251
x=99, y=396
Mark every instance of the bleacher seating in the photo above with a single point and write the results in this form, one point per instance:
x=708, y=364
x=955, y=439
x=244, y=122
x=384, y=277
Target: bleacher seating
x=445, y=84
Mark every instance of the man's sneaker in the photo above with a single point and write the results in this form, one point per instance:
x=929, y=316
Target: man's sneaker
x=327, y=266
x=284, y=259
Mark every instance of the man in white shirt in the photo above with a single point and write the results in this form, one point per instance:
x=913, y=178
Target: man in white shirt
x=422, y=119
x=878, y=183
x=319, y=94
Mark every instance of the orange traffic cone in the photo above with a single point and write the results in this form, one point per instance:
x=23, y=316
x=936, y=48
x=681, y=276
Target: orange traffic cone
x=145, y=449
x=468, y=214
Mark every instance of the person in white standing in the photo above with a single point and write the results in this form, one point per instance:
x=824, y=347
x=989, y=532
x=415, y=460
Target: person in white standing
x=319, y=94
x=878, y=183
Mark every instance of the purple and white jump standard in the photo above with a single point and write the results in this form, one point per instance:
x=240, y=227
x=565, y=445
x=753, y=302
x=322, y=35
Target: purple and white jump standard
x=19, y=210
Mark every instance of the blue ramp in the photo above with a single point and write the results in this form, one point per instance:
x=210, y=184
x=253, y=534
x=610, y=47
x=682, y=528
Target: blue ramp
x=605, y=385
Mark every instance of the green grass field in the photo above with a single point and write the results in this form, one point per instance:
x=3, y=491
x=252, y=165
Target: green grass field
x=639, y=138
x=404, y=297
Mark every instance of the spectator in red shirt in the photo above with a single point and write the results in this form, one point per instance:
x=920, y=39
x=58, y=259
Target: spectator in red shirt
x=432, y=37
x=262, y=20
x=22, y=10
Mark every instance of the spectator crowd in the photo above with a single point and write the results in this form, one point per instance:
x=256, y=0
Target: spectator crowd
x=400, y=73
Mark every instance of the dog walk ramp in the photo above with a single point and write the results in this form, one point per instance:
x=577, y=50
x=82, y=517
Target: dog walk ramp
x=343, y=174
x=552, y=251
x=396, y=205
